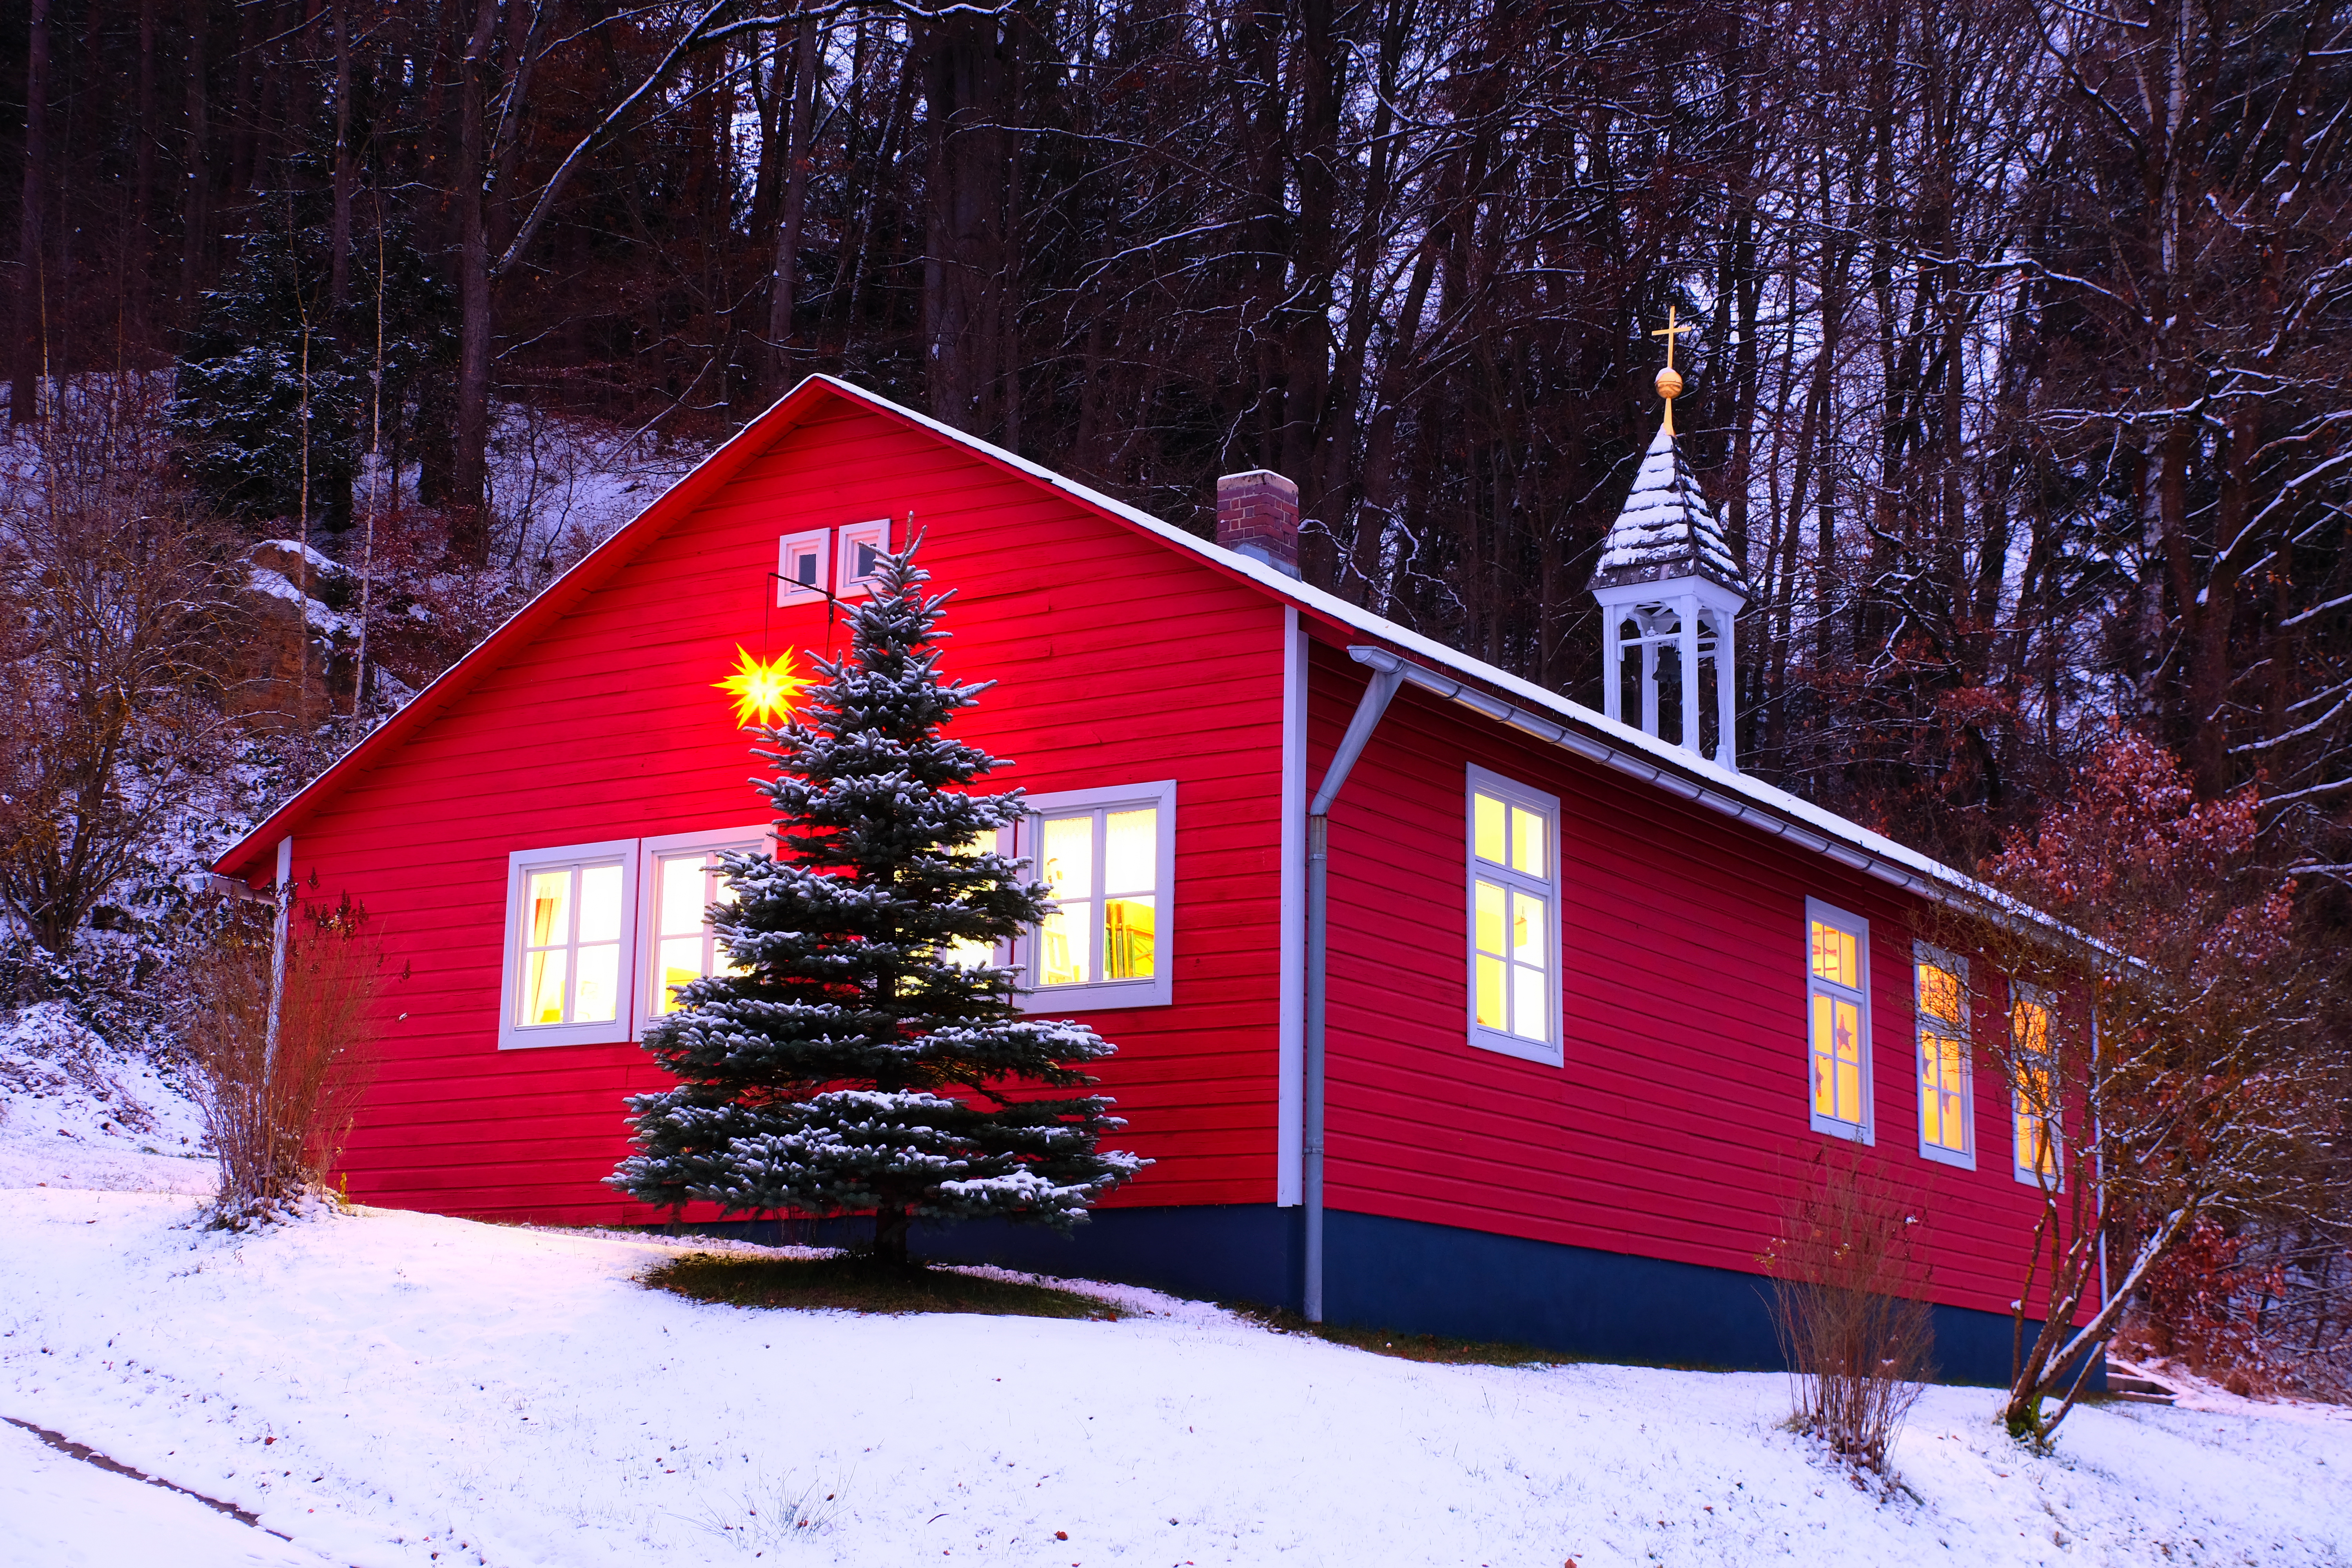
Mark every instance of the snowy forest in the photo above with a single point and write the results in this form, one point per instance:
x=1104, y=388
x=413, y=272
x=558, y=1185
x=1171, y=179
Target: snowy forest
x=2021, y=371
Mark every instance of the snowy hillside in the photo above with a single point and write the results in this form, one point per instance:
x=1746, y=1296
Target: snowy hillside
x=399, y=1389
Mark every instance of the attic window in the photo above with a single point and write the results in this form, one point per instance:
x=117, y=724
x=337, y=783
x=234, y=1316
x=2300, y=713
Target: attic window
x=801, y=562
x=862, y=545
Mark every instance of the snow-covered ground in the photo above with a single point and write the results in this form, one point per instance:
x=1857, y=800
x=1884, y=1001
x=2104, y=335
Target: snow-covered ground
x=402, y=1389
x=386, y=1389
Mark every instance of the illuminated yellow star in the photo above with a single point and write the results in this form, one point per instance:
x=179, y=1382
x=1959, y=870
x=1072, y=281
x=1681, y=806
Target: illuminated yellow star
x=764, y=691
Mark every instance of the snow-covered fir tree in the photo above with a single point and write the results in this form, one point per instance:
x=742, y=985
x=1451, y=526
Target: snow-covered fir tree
x=855, y=1061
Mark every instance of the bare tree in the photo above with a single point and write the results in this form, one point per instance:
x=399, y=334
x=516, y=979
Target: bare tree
x=2162, y=1039
x=115, y=585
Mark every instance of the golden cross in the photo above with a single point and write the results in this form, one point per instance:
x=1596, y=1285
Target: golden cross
x=1670, y=332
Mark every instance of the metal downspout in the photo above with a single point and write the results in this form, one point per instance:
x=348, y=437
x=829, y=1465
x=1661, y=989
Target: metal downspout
x=1387, y=673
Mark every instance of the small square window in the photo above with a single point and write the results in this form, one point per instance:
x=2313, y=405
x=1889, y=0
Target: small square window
x=804, y=567
x=862, y=545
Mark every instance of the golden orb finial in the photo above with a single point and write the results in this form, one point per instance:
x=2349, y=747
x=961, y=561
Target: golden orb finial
x=1670, y=381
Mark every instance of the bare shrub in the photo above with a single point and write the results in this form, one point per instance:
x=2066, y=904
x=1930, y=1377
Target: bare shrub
x=281, y=1055
x=1849, y=1307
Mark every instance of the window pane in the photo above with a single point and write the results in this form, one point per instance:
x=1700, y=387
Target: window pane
x=1490, y=992
x=681, y=895
x=1126, y=938
x=1069, y=858
x=600, y=981
x=1939, y=992
x=1528, y=931
x=1527, y=842
x=1837, y=1059
x=1131, y=851
x=1824, y=1060
x=2029, y=1023
x=1530, y=1019
x=865, y=554
x=1486, y=828
x=550, y=900
x=804, y=567
x=1836, y=955
x=681, y=960
x=1490, y=919
x=1062, y=958
x=1931, y=1098
x=542, y=986
x=1846, y=1038
x=600, y=903
x=971, y=954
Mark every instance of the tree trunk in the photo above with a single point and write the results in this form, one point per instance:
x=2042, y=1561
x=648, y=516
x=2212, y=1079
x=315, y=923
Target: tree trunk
x=195, y=215
x=783, y=297
x=33, y=302
x=469, y=498
x=891, y=1227
x=340, y=242
x=963, y=220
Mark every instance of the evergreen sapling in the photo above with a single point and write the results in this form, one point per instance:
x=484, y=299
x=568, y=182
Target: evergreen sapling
x=863, y=1055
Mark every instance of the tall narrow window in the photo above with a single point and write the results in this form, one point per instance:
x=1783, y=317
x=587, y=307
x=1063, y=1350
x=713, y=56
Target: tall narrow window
x=2034, y=1087
x=682, y=880
x=1513, y=899
x=1837, y=998
x=1107, y=859
x=569, y=940
x=1947, y=1113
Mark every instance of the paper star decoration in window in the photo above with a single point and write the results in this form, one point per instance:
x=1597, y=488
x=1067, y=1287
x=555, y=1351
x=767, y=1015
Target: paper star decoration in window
x=764, y=690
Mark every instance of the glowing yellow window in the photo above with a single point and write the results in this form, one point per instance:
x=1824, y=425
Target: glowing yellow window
x=2034, y=1097
x=1513, y=943
x=1838, y=1022
x=1945, y=1115
x=1103, y=865
x=571, y=957
x=684, y=947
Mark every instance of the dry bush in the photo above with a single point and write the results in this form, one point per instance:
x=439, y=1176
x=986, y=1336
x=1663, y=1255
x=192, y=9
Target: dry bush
x=281, y=1058
x=1849, y=1307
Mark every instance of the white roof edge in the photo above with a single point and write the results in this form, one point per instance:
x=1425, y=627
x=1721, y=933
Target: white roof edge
x=1669, y=766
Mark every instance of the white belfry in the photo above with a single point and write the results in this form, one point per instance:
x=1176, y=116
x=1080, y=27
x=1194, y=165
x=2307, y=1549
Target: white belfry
x=1669, y=589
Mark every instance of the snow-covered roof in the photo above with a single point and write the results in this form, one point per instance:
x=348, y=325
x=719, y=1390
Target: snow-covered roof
x=1570, y=724
x=1667, y=529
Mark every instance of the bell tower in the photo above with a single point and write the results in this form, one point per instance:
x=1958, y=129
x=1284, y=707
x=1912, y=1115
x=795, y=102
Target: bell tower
x=1669, y=590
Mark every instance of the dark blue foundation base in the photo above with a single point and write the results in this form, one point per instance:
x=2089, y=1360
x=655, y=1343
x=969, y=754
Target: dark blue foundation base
x=1420, y=1278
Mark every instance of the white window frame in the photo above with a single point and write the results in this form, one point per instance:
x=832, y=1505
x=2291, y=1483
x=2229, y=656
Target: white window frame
x=521, y=863
x=854, y=585
x=1101, y=995
x=1547, y=1051
x=1924, y=1024
x=1864, y=1132
x=760, y=836
x=791, y=590
x=2019, y=1166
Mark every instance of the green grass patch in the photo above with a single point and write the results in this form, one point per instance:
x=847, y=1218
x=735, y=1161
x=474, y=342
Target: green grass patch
x=1405, y=1347
x=849, y=1283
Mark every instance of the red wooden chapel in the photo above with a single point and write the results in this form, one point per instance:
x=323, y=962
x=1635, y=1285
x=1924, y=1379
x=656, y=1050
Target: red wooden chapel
x=1442, y=1003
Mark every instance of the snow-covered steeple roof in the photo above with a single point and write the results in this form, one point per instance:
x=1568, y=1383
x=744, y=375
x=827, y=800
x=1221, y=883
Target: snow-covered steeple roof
x=1666, y=528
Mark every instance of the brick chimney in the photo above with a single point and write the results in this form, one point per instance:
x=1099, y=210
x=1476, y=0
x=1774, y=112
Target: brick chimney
x=1257, y=516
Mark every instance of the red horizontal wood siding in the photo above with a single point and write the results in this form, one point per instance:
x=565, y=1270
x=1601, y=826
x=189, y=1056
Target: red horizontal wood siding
x=1676, y=1126
x=1116, y=661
